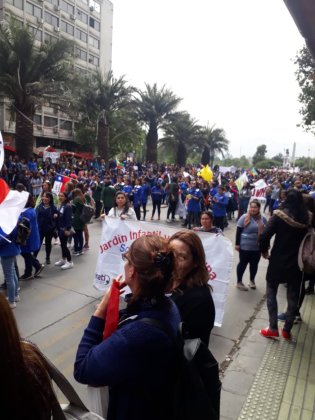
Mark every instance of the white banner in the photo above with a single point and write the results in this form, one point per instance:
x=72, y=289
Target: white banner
x=117, y=236
x=259, y=191
x=52, y=155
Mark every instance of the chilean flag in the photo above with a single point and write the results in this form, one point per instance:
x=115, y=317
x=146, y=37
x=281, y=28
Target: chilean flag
x=59, y=184
x=11, y=205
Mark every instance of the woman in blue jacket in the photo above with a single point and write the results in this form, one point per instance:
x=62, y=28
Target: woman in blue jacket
x=64, y=231
x=47, y=215
x=219, y=205
x=138, y=361
x=157, y=195
x=32, y=244
x=8, y=251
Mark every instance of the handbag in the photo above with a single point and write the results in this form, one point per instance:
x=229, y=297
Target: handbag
x=75, y=409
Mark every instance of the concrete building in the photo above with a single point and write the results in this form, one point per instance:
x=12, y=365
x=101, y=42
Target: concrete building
x=89, y=24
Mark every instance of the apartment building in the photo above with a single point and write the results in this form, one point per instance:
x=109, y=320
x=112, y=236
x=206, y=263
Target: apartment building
x=89, y=24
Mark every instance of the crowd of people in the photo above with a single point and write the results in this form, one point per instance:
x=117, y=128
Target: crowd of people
x=168, y=278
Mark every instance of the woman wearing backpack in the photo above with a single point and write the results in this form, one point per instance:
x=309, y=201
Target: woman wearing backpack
x=138, y=361
x=190, y=290
x=289, y=226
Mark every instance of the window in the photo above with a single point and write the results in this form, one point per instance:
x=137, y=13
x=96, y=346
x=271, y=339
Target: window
x=66, y=7
x=54, y=2
x=82, y=36
x=36, y=32
x=33, y=10
x=50, y=122
x=96, y=6
x=51, y=19
x=49, y=38
x=94, y=60
x=66, y=27
x=95, y=24
x=82, y=16
x=94, y=42
x=16, y=3
x=79, y=53
x=65, y=125
x=37, y=119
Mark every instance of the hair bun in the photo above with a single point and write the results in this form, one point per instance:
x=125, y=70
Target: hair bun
x=162, y=260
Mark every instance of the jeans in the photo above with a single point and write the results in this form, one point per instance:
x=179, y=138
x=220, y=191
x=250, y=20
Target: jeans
x=293, y=293
x=248, y=257
x=78, y=240
x=30, y=262
x=10, y=277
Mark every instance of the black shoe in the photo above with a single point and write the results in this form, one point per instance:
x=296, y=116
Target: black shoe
x=39, y=270
x=47, y=261
x=309, y=291
x=25, y=277
x=3, y=286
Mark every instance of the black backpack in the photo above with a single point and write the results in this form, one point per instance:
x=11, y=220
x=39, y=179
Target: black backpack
x=23, y=231
x=198, y=386
x=87, y=213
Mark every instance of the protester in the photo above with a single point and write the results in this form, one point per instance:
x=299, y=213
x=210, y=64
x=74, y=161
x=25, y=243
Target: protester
x=157, y=195
x=243, y=199
x=64, y=231
x=219, y=206
x=32, y=244
x=136, y=198
x=26, y=390
x=207, y=223
x=194, y=197
x=122, y=209
x=47, y=215
x=77, y=224
x=289, y=226
x=249, y=229
x=108, y=195
x=172, y=189
x=190, y=289
x=138, y=360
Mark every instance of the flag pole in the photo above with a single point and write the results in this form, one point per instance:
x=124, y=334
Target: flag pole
x=8, y=240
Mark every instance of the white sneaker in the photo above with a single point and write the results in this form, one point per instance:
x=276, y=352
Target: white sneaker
x=17, y=298
x=60, y=263
x=12, y=305
x=68, y=264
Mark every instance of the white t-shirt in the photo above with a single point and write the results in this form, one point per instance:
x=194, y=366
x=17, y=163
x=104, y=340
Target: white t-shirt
x=115, y=212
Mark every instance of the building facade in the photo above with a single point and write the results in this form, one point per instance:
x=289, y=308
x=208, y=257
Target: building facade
x=89, y=23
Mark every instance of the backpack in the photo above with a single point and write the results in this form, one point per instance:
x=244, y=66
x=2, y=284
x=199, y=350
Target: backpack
x=198, y=386
x=306, y=255
x=23, y=231
x=87, y=213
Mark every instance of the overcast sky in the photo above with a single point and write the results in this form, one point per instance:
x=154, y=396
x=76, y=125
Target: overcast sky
x=231, y=62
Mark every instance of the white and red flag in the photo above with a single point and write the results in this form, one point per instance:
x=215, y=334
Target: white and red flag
x=11, y=205
x=59, y=184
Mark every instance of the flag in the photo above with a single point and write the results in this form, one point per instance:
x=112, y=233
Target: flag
x=253, y=171
x=11, y=205
x=1, y=151
x=119, y=165
x=241, y=181
x=59, y=184
x=206, y=173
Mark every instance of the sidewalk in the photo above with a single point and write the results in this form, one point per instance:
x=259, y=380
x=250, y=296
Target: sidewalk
x=272, y=379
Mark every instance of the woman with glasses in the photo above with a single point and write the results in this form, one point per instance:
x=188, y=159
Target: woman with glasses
x=138, y=361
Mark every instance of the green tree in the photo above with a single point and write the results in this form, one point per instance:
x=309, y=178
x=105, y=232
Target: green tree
x=305, y=75
x=267, y=164
x=153, y=108
x=32, y=76
x=241, y=162
x=260, y=154
x=213, y=140
x=278, y=158
x=181, y=132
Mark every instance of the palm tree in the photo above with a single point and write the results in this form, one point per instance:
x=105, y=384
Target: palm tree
x=182, y=132
x=30, y=77
x=213, y=141
x=102, y=98
x=153, y=107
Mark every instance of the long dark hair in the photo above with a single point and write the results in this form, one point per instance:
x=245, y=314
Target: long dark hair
x=295, y=207
x=26, y=391
x=127, y=204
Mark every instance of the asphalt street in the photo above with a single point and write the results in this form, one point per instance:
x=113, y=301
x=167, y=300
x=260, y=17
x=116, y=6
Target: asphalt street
x=56, y=307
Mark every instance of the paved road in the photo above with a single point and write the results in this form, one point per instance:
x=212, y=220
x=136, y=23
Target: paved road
x=55, y=308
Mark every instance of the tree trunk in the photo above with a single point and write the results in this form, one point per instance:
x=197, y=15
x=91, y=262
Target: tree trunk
x=205, y=158
x=24, y=139
x=103, y=139
x=151, y=142
x=181, y=154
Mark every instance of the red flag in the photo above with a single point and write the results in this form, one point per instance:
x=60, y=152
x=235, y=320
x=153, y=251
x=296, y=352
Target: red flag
x=112, y=312
x=11, y=205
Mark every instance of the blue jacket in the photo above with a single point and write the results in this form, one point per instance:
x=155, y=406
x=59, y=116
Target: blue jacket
x=193, y=205
x=219, y=208
x=64, y=219
x=33, y=242
x=45, y=219
x=137, y=191
x=8, y=249
x=145, y=192
x=138, y=361
x=157, y=194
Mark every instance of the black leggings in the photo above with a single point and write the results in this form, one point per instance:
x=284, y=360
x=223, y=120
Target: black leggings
x=247, y=257
x=64, y=249
x=48, y=238
x=171, y=209
x=138, y=212
x=156, y=205
x=144, y=208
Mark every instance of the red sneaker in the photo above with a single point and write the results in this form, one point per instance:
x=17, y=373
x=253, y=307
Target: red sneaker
x=286, y=335
x=266, y=332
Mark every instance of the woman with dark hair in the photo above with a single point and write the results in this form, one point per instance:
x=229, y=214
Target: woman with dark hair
x=26, y=391
x=138, y=361
x=207, y=223
x=122, y=209
x=78, y=201
x=249, y=228
x=289, y=226
x=47, y=215
x=32, y=244
x=64, y=231
x=190, y=289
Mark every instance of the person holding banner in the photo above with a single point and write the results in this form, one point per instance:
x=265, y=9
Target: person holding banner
x=122, y=209
x=137, y=360
x=190, y=290
x=249, y=229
